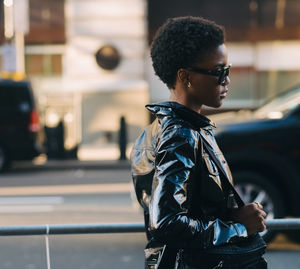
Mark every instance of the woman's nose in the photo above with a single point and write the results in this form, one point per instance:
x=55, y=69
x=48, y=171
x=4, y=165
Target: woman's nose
x=226, y=81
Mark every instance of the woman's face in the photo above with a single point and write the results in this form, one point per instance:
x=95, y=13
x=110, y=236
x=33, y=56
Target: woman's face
x=205, y=89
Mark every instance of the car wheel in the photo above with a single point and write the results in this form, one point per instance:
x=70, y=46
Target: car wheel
x=254, y=187
x=3, y=159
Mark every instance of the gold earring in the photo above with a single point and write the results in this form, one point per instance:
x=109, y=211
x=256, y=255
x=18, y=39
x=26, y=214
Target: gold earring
x=189, y=84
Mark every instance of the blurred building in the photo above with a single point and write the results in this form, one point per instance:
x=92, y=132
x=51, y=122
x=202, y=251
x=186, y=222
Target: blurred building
x=86, y=62
x=89, y=60
x=263, y=37
x=104, y=64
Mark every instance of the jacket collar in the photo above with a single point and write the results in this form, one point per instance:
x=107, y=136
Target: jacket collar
x=175, y=109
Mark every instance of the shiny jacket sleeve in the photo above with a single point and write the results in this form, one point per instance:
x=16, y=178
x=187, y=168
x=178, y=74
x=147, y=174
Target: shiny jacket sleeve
x=175, y=161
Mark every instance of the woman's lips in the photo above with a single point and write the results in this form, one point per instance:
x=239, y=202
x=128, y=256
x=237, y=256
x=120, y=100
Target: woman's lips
x=223, y=94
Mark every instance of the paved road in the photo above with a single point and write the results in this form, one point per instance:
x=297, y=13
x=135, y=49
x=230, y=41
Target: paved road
x=80, y=195
x=75, y=195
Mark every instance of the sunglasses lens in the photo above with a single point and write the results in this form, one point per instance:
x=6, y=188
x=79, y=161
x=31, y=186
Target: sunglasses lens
x=227, y=71
x=223, y=75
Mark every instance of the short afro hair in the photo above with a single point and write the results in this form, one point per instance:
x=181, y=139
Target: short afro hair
x=182, y=41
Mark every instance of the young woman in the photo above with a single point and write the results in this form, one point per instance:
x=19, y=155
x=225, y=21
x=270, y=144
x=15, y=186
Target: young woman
x=178, y=184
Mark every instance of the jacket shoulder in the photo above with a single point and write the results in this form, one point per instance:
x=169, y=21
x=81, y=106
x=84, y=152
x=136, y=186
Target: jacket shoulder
x=143, y=151
x=177, y=130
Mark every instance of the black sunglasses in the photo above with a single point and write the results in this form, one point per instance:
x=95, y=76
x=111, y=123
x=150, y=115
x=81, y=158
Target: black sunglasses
x=221, y=73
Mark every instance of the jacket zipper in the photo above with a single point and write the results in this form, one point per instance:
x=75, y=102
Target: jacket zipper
x=220, y=265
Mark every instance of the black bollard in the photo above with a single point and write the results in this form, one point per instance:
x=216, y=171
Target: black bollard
x=55, y=141
x=122, y=138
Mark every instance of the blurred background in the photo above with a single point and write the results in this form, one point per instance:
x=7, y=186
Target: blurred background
x=88, y=61
x=75, y=77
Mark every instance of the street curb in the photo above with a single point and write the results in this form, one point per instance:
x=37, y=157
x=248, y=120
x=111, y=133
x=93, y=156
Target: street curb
x=70, y=164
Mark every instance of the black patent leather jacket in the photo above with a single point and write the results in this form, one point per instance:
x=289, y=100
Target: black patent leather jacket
x=178, y=185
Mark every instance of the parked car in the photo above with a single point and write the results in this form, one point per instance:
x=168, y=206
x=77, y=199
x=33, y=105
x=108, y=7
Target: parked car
x=263, y=151
x=19, y=123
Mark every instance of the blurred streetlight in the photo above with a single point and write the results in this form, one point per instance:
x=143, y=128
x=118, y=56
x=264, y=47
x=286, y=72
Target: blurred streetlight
x=8, y=19
x=16, y=25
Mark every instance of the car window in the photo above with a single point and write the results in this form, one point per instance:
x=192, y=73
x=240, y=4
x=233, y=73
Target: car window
x=281, y=105
x=15, y=96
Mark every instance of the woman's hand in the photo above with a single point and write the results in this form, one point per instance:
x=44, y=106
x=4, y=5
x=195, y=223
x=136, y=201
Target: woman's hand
x=251, y=216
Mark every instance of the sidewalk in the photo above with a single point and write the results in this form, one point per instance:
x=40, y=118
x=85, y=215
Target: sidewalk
x=61, y=164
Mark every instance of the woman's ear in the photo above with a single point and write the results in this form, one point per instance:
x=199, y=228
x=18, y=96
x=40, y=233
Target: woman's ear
x=183, y=76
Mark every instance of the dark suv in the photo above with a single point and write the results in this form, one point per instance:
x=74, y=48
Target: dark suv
x=19, y=123
x=263, y=151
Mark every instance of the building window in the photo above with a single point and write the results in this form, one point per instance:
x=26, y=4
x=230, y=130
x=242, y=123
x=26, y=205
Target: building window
x=43, y=65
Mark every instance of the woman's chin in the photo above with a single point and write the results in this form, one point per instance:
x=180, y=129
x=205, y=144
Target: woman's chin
x=217, y=105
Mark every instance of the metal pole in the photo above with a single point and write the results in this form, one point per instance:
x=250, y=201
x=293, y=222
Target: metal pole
x=275, y=224
x=283, y=224
x=20, y=64
x=72, y=229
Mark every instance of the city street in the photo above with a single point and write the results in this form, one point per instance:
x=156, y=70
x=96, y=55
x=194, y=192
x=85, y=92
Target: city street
x=75, y=80
x=65, y=194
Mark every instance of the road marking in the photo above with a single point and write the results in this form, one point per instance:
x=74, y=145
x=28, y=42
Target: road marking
x=45, y=200
x=122, y=209
x=12, y=209
x=66, y=189
x=13, y=205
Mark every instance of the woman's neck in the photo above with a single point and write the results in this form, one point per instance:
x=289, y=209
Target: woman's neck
x=175, y=96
